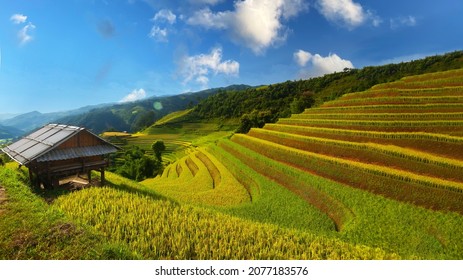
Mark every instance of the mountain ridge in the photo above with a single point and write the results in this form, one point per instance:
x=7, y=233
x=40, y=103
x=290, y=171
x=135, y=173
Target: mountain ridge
x=109, y=116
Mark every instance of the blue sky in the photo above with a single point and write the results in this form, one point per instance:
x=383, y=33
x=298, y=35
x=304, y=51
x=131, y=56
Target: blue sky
x=63, y=54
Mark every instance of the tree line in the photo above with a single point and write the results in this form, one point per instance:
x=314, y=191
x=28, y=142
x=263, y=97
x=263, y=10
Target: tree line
x=258, y=105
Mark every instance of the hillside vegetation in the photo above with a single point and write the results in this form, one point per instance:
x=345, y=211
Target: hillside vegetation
x=374, y=174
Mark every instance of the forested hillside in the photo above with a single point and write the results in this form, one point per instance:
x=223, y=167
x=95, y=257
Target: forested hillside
x=135, y=116
x=264, y=104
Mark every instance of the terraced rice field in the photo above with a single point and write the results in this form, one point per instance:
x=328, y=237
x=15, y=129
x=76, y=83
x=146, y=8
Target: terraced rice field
x=200, y=178
x=175, y=148
x=179, y=136
x=408, y=134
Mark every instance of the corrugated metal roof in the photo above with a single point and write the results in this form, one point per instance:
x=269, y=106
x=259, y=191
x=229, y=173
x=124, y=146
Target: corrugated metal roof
x=62, y=154
x=44, y=141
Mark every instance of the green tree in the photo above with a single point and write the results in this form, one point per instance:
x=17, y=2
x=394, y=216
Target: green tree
x=302, y=102
x=138, y=166
x=158, y=147
x=255, y=119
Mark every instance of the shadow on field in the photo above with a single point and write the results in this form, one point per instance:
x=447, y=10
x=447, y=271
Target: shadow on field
x=49, y=195
x=144, y=192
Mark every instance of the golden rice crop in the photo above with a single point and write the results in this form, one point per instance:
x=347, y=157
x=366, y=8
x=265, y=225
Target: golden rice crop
x=192, y=165
x=438, y=107
x=291, y=180
x=296, y=156
x=395, y=100
x=373, y=123
x=371, y=93
x=421, y=190
x=441, y=79
x=436, y=75
x=271, y=202
x=163, y=230
x=228, y=183
x=212, y=183
x=393, y=156
x=211, y=167
x=365, y=133
x=376, y=220
x=381, y=116
x=187, y=182
x=383, y=149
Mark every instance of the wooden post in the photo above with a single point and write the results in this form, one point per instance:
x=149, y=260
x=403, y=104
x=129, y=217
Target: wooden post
x=31, y=176
x=55, y=182
x=35, y=179
x=89, y=176
x=49, y=183
x=102, y=176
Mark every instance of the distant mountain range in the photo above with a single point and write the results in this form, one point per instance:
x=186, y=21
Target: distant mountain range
x=24, y=123
x=7, y=116
x=7, y=132
x=130, y=116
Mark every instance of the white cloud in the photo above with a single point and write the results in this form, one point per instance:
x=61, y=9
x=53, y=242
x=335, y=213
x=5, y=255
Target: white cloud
x=135, y=95
x=202, y=80
x=302, y=57
x=197, y=68
x=209, y=20
x=320, y=65
x=375, y=20
x=254, y=24
x=165, y=15
x=162, y=18
x=24, y=34
x=159, y=34
x=18, y=18
x=344, y=12
x=409, y=21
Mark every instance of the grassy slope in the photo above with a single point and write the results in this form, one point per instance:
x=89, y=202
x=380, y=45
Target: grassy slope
x=31, y=229
x=173, y=117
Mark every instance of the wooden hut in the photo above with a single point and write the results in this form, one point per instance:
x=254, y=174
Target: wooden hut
x=56, y=151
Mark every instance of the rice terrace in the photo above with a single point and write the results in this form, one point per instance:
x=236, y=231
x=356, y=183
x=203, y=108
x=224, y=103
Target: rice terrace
x=368, y=174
